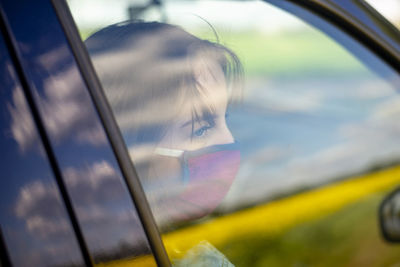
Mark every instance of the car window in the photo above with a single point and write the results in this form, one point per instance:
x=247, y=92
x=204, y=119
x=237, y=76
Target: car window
x=35, y=226
x=81, y=156
x=260, y=139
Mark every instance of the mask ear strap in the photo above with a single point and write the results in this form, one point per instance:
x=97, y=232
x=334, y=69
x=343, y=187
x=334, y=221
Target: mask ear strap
x=169, y=152
x=175, y=153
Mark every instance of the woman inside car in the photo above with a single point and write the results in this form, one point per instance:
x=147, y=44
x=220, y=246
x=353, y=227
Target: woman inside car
x=170, y=92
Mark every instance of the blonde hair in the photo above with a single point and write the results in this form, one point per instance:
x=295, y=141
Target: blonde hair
x=146, y=71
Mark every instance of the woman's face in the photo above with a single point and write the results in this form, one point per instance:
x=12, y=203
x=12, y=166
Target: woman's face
x=211, y=128
x=184, y=134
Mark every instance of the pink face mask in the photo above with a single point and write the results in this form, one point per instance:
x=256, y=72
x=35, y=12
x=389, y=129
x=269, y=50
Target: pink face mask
x=207, y=174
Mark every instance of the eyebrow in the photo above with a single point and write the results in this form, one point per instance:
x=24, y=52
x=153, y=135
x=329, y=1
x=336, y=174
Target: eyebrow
x=203, y=118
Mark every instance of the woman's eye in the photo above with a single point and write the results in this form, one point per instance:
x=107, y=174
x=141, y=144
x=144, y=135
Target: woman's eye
x=200, y=132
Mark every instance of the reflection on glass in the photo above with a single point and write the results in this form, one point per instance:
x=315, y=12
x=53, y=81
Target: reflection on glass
x=107, y=217
x=311, y=117
x=33, y=219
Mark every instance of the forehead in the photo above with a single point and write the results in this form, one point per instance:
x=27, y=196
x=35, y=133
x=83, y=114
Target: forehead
x=209, y=96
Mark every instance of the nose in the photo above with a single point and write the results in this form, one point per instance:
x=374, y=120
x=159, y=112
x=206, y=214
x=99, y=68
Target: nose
x=223, y=135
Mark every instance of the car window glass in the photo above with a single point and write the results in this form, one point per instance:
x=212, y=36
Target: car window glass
x=257, y=137
x=34, y=223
